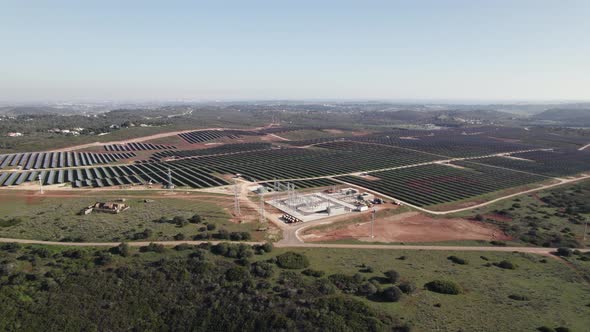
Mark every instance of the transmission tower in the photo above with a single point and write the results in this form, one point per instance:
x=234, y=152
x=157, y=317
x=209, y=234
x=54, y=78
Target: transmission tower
x=373, y=222
x=236, y=198
x=170, y=184
x=262, y=212
x=40, y=184
x=585, y=228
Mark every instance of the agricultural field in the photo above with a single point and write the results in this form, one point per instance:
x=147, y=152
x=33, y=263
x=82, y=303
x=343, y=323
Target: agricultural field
x=56, y=218
x=432, y=185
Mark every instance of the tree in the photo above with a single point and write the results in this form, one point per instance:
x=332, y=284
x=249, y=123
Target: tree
x=292, y=260
x=195, y=219
x=391, y=294
x=506, y=265
x=564, y=252
x=180, y=221
x=407, y=287
x=123, y=249
x=443, y=287
x=392, y=276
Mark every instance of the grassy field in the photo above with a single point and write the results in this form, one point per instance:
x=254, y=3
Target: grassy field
x=56, y=218
x=529, y=217
x=558, y=296
x=311, y=134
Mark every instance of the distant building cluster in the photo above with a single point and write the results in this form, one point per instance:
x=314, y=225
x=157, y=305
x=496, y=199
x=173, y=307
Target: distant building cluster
x=67, y=132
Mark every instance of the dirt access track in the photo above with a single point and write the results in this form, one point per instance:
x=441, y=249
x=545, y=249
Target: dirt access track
x=408, y=227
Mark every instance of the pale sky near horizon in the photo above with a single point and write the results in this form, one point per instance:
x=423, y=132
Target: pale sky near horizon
x=164, y=50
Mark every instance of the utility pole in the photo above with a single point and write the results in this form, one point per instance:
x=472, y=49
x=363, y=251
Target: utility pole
x=585, y=227
x=236, y=199
x=40, y=184
x=373, y=222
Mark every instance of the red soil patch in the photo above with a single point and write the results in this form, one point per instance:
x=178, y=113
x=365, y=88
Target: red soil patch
x=411, y=227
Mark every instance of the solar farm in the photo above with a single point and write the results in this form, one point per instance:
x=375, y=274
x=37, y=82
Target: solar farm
x=422, y=168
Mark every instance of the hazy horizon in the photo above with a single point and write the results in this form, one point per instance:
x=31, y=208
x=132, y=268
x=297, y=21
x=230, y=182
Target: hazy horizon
x=424, y=51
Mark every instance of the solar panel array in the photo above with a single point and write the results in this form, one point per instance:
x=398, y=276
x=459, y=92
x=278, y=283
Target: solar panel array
x=209, y=135
x=138, y=147
x=39, y=160
x=105, y=176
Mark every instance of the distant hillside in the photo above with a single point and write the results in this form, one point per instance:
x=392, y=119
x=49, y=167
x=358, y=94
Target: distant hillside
x=409, y=115
x=577, y=117
x=29, y=110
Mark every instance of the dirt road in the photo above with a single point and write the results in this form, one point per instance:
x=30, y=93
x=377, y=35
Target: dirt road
x=138, y=139
x=530, y=250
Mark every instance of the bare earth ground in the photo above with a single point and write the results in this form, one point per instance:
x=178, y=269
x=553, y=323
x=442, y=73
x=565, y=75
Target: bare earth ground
x=410, y=227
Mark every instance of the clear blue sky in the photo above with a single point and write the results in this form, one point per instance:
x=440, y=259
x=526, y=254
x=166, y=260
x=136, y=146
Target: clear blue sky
x=249, y=49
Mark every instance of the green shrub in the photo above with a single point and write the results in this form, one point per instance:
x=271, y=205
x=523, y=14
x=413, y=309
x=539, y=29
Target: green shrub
x=10, y=247
x=562, y=329
x=443, y=287
x=391, y=294
x=407, y=287
x=313, y=273
x=262, y=269
x=516, y=297
x=237, y=273
x=392, y=276
x=346, y=283
x=292, y=260
x=564, y=252
x=153, y=247
x=122, y=250
x=457, y=260
x=506, y=265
